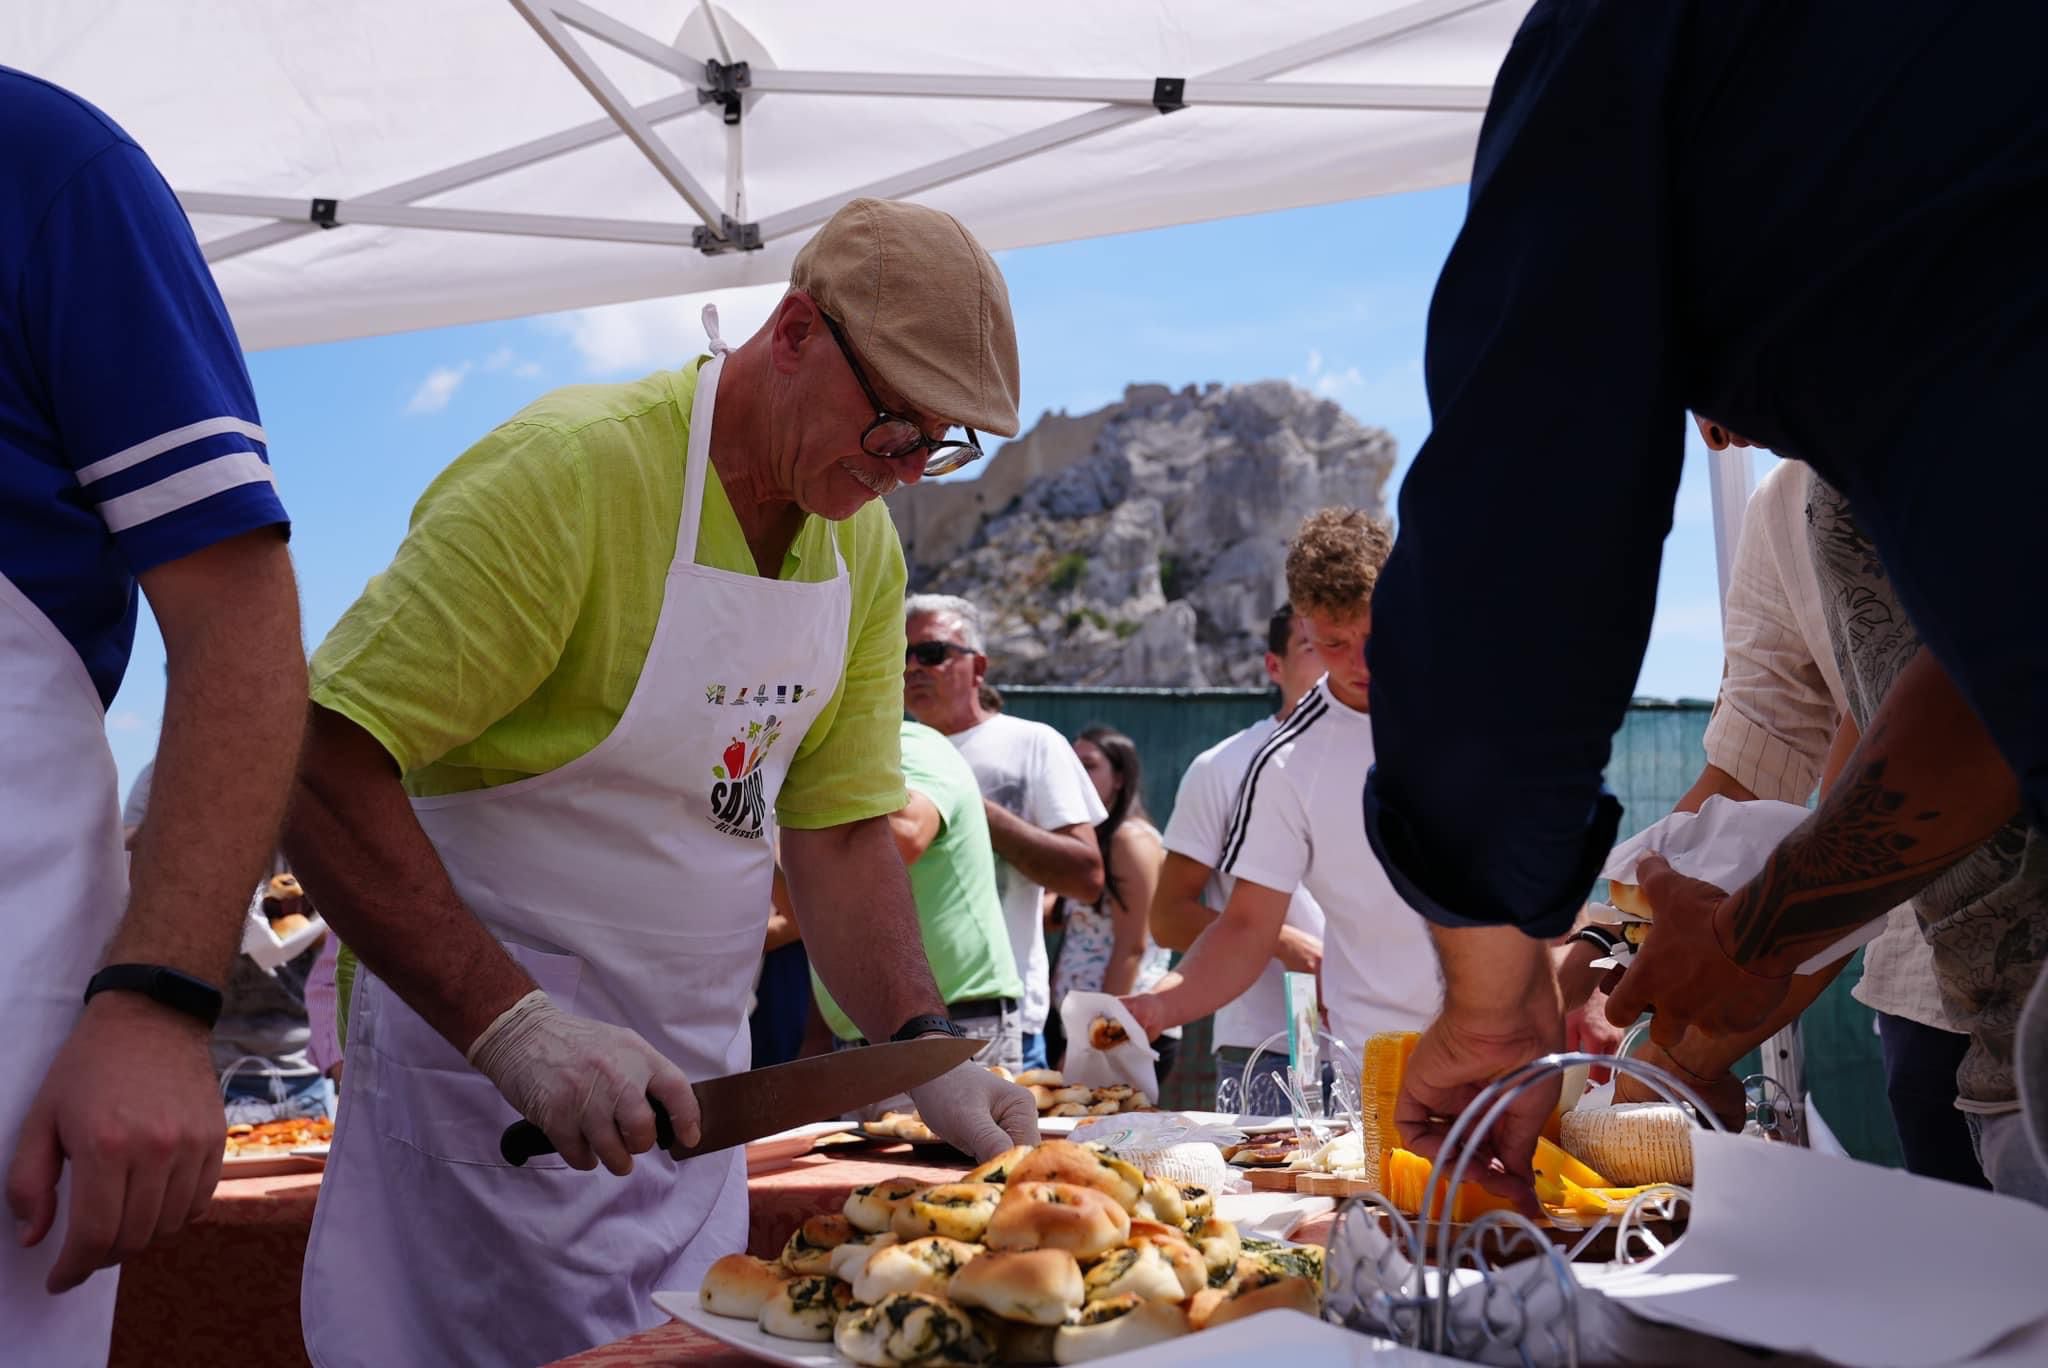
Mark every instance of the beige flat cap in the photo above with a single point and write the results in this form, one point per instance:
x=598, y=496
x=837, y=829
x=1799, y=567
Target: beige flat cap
x=923, y=304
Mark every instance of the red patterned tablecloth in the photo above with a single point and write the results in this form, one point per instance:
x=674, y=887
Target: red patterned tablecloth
x=224, y=1289
x=777, y=1204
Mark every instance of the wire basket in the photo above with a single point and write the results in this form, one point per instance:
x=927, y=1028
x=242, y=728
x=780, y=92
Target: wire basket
x=1514, y=1294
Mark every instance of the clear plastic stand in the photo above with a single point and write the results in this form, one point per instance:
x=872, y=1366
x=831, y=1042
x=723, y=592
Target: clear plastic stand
x=1513, y=1285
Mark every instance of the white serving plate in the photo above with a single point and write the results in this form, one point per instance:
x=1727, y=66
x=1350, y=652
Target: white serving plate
x=317, y=1153
x=779, y=1151
x=1272, y=1336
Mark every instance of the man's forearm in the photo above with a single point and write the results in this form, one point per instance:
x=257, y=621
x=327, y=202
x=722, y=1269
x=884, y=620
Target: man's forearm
x=1178, y=914
x=234, y=708
x=355, y=844
x=1059, y=860
x=1226, y=959
x=1710, y=1056
x=1924, y=788
x=1493, y=971
x=1713, y=782
x=860, y=928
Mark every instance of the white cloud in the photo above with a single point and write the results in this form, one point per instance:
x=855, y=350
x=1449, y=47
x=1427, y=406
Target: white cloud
x=1383, y=398
x=501, y=359
x=649, y=333
x=123, y=720
x=437, y=389
x=526, y=370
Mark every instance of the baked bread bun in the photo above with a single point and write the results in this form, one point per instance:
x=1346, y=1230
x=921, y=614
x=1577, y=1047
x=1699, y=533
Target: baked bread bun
x=1063, y=1161
x=284, y=886
x=1145, y=1228
x=738, y=1284
x=1041, y=1096
x=805, y=1308
x=810, y=1246
x=850, y=1258
x=1106, y=1033
x=1042, y=1078
x=925, y=1265
x=872, y=1207
x=1000, y=1072
x=1187, y=1264
x=1039, y=1286
x=1218, y=1240
x=1076, y=1094
x=1067, y=1109
x=1203, y=1305
x=1629, y=898
x=909, y=1328
x=1115, y=1092
x=289, y=925
x=997, y=1170
x=1117, y=1325
x=1110, y=1108
x=1139, y=1270
x=1081, y=1220
x=1281, y=1294
x=958, y=1211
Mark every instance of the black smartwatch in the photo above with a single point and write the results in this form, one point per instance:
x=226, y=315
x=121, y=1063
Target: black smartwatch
x=928, y=1025
x=1599, y=937
x=180, y=992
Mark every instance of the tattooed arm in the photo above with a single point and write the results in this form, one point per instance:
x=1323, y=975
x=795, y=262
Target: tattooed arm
x=1923, y=788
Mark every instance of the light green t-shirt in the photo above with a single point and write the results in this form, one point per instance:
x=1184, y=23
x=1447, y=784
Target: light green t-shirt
x=954, y=881
x=507, y=636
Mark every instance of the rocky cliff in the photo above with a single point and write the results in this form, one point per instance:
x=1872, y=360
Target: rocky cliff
x=1141, y=544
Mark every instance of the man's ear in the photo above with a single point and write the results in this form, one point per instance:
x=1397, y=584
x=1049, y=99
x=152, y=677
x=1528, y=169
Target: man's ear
x=1272, y=669
x=980, y=669
x=795, y=324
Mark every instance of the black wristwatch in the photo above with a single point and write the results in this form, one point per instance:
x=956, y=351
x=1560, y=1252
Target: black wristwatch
x=1598, y=937
x=928, y=1025
x=180, y=992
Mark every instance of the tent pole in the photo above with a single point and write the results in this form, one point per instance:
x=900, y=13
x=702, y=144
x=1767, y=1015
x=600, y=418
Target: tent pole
x=547, y=18
x=1125, y=91
x=1378, y=29
x=452, y=178
x=451, y=220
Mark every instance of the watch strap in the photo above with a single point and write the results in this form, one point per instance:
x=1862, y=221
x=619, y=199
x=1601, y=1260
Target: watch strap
x=163, y=985
x=927, y=1025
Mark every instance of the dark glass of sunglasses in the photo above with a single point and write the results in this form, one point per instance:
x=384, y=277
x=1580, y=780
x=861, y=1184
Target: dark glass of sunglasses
x=892, y=436
x=932, y=654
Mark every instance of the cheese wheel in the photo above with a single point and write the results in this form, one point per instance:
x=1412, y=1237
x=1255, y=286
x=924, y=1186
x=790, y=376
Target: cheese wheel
x=1633, y=1144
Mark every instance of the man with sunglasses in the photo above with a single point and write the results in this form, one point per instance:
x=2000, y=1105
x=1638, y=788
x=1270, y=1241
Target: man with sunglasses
x=1041, y=806
x=634, y=636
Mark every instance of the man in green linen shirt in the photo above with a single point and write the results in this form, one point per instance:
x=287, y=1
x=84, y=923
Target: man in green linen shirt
x=509, y=635
x=942, y=833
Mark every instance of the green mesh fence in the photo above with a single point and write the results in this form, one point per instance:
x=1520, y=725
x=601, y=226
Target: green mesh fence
x=1656, y=757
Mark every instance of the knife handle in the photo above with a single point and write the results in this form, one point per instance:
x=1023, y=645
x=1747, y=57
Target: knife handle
x=523, y=1140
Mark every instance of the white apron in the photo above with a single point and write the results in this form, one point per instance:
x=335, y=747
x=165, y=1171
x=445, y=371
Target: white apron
x=63, y=887
x=633, y=884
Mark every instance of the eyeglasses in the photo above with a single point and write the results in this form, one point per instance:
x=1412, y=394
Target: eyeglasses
x=892, y=436
x=932, y=654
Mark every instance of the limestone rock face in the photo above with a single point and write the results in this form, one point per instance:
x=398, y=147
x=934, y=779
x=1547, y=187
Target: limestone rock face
x=1144, y=543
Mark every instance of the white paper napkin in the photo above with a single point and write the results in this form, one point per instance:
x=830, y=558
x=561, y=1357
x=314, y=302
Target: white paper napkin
x=1726, y=844
x=1849, y=1262
x=1132, y=1062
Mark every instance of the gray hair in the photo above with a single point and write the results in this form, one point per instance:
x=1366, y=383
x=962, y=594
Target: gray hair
x=959, y=611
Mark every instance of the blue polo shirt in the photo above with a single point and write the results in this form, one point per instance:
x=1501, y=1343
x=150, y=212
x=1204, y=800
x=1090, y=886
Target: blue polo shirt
x=128, y=430
x=1821, y=224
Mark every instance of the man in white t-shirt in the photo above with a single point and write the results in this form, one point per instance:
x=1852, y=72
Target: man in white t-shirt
x=1191, y=894
x=1042, y=809
x=1298, y=824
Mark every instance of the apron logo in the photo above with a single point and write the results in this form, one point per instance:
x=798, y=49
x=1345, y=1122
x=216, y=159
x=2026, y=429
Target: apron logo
x=738, y=802
x=783, y=695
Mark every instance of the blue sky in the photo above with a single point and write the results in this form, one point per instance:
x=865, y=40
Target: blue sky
x=1333, y=297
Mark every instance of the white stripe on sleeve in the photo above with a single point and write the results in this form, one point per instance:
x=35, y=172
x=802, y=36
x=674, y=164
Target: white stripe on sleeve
x=168, y=441
x=188, y=486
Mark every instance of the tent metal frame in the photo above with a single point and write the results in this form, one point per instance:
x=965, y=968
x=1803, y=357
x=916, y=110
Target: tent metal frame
x=717, y=224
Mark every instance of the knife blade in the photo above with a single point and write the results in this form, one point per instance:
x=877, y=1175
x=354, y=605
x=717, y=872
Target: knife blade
x=746, y=1106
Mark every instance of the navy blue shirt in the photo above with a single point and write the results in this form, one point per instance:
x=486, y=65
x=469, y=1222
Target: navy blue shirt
x=1823, y=223
x=128, y=431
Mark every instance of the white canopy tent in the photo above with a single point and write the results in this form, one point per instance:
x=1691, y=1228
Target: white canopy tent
x=374, y=166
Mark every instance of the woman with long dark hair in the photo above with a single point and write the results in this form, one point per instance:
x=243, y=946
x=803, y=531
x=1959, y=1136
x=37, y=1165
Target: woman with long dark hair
x=1108, y=946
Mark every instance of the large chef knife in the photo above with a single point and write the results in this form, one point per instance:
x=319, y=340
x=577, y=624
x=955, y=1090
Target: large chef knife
x=746, y=1106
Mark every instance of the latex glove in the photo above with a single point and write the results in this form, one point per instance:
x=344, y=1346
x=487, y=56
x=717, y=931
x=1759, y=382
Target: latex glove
x=585, y=1083
x=976, y=1112
x=132, y=1104
x=1453, y=1061
x=1682, y=973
